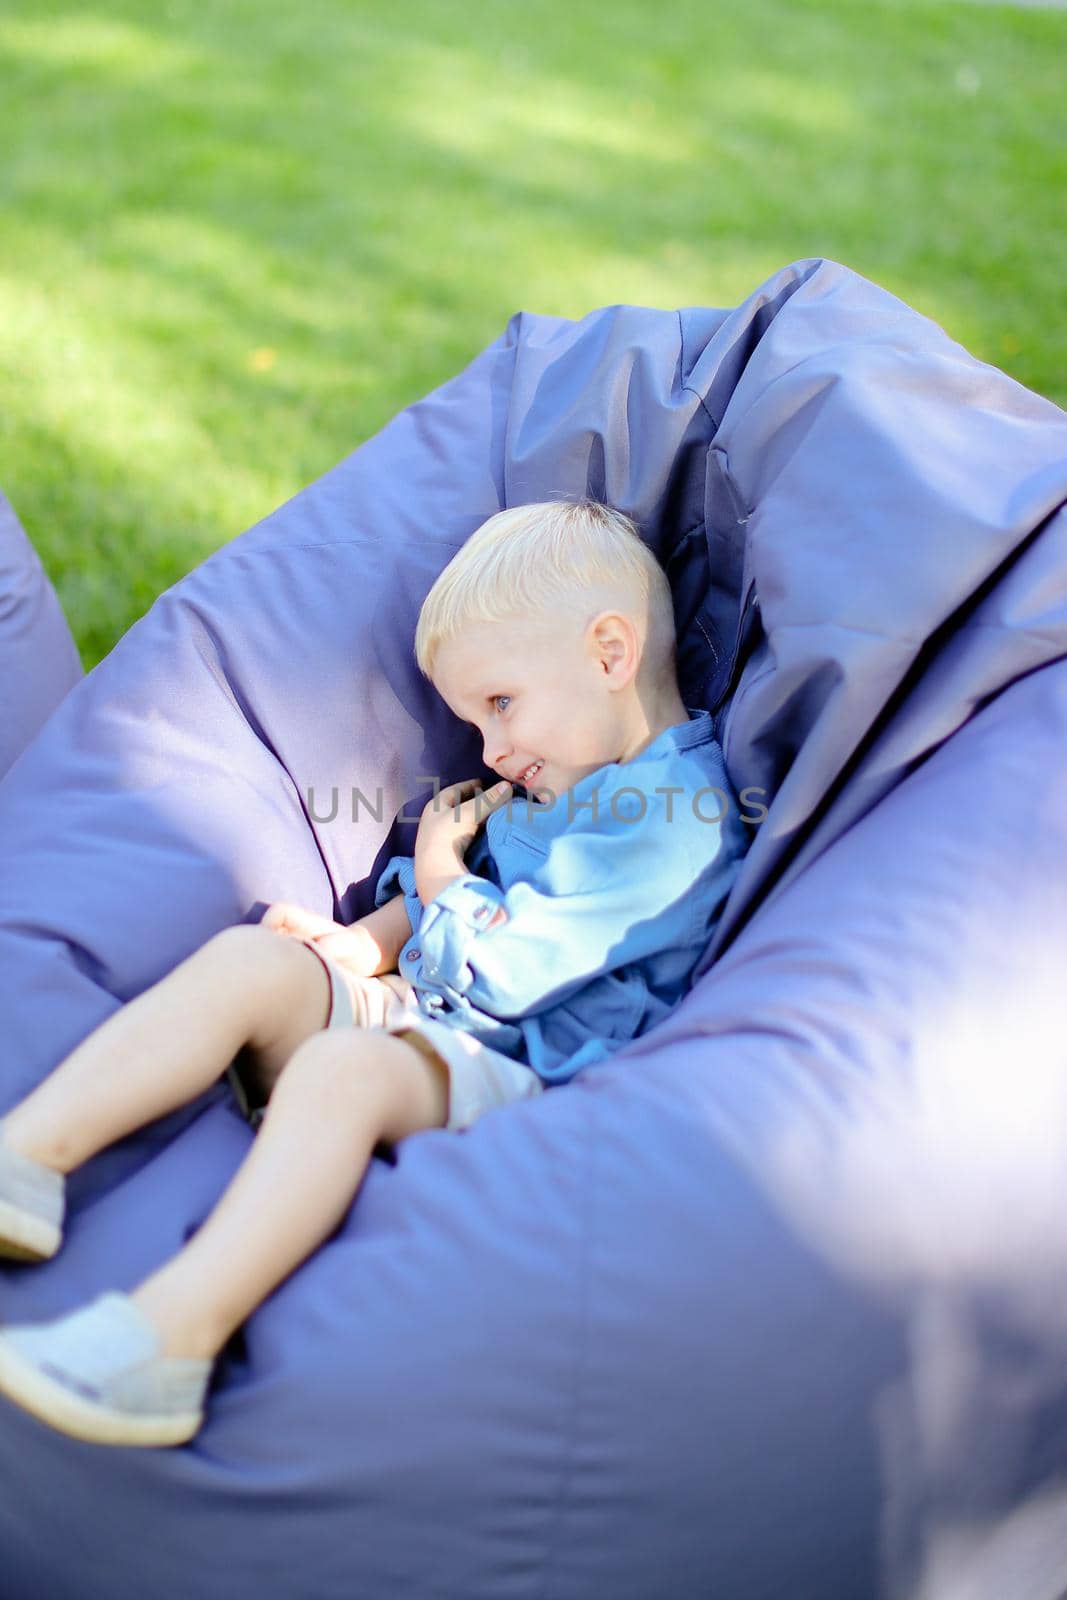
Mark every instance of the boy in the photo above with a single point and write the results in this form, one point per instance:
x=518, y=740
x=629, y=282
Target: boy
x=526, y=950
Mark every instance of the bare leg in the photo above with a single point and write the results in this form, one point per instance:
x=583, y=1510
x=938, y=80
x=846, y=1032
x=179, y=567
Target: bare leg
x=246, y=986
x=338, y=1096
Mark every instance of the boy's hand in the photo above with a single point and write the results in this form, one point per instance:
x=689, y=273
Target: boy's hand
x=298, y=921
x=447, y=828
x=350, y=948
x=452, y=818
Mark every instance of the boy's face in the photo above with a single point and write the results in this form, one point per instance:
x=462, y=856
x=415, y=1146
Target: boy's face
x=537, y=692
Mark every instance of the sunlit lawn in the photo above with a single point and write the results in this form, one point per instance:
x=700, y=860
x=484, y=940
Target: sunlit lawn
x=235, y=237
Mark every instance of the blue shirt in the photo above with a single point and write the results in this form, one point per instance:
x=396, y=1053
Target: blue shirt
x=610, y=892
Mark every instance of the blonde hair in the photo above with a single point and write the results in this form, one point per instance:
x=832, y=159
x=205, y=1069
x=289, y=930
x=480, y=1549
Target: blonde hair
x=550, y=558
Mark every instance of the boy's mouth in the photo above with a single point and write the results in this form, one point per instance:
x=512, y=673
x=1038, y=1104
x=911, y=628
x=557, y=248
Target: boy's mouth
x=527, y=777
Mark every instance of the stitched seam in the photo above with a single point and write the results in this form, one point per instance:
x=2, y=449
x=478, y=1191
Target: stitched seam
x=687, y=387
x=703, y=405
x=715, y=657
x=698, y=527
x=533, y=845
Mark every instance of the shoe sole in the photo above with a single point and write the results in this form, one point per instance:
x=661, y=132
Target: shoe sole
x=24, y=1237
x=49, y=1401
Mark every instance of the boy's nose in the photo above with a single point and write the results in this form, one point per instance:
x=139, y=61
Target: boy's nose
x=494, y=753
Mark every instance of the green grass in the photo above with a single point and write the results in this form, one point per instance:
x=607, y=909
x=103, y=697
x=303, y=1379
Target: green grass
x=235, y=238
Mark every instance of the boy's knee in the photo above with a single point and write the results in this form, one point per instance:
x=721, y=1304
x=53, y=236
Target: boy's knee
x=336, y=1063
x=373, y=1075
x=252, y=951
x=243, y=941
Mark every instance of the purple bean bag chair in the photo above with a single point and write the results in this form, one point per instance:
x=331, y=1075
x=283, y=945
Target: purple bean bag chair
x=773, y=1302
x=38, y=659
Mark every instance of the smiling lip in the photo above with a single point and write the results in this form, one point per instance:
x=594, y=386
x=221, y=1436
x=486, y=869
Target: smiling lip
x=520, y=777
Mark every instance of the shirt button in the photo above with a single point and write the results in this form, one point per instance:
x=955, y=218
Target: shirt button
x=413, y=955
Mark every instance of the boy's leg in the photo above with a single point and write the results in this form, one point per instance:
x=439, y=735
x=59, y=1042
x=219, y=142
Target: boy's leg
x=339, y=1095
x=246, y=986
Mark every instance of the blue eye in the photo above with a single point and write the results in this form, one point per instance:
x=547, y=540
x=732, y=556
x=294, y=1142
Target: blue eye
x=498, y=697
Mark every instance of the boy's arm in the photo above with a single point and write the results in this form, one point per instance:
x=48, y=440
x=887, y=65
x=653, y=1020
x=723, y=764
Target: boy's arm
x=598, y=901
x=435, y=870
x=448, y=827
x=386, y=931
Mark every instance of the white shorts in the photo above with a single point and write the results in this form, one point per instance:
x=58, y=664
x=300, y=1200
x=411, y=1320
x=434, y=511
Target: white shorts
x=480, y=1078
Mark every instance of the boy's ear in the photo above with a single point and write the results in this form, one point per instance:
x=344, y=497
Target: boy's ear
x=616, y=643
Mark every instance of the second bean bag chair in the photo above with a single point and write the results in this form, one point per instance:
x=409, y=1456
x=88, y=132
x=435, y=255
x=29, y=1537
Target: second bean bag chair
x=772, y=1302
x=38, y=659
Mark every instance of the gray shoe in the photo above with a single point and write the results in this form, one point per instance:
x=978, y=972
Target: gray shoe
x=97, y=1374
x=32, y=1205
